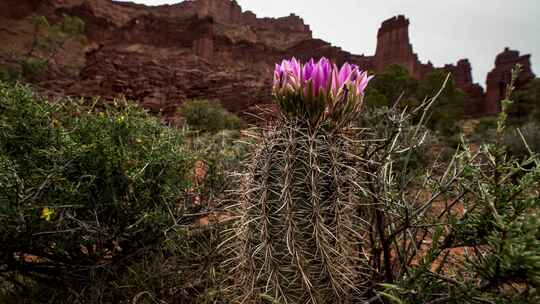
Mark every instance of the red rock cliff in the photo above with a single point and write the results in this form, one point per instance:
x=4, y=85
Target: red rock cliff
x=500, y=76
x=394, y=47
x=462, y=74
x=162, y=55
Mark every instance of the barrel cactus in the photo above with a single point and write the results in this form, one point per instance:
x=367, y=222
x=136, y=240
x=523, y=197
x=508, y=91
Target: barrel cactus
x=296, y=238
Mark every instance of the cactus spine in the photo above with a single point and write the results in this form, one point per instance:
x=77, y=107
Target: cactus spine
x=295, y=238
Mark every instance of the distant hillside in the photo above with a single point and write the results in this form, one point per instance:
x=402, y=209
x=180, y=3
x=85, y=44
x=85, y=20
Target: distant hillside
x=211, y=49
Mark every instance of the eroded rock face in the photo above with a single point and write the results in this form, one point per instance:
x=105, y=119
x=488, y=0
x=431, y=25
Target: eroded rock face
x=500, y=77
x=15, y=9
x=162, y=55
x=163, y=81
x=394, y=47
x=462, y=73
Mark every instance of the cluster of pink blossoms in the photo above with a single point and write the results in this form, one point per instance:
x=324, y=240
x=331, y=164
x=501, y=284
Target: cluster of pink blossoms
x=320, y=78
x=319, y=85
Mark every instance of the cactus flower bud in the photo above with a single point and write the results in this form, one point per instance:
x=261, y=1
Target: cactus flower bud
x=319, y=91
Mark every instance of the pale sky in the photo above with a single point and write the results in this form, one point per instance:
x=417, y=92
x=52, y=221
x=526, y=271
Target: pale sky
x=442, y=31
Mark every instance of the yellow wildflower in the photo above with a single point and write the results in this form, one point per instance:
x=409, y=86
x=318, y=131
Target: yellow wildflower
x=55, y=123
x=47, y=213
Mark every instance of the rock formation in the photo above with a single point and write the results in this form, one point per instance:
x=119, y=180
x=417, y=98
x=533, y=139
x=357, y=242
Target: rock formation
x=394, y=47
x=462, y=73
x=162, y=55
x=500, y=76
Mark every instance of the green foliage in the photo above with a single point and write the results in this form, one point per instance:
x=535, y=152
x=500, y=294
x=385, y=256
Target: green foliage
x=9, y=73
x=526, y=104
x=387, y=87
x=25, y=69
x=521, y=141
x=40, y=21
x=396, y=84
x=220, y=155
x=449, y=107
x=208, y=116
x=518, y=137
x=485, y=124
x=392, y=204
x=86, y=195
x=50, y=37
x=184, y=269
x=479, y=216
x=499, y=232
x=384, y=123
x=47, y=40
x=72, y=25
x=33, y=67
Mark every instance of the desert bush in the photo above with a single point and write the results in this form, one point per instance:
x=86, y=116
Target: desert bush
x=395, y=87
x=468, y=234
x=208, y=116
x=184, y=268
x=22, y=69
x=449, y=108
x=86, y=196
x=394, y=84
x=9, y=74
x=517, y=138
x=33, y=67
x=521, y=141
x=71, y=25
x=485, y=124
x=50, y=37
x=526, y=105
x=220, y=155
x=385, y=122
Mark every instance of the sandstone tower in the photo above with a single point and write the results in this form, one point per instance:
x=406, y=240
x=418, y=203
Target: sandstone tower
x=394, y=47
x=499, y=77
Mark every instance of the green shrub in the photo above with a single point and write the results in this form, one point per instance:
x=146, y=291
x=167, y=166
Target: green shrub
x=48, y=39
x=519, y=146
x=526, y=104
x=84, y=194
x=9, y=73
x=33, y=67
x=462, y=232
x=208, y=116
x=387, y=87
x=449, y=107
x=516, y=145
x=220, y=155
x=384, y=122
x=184, y=268
x=485, y=124
x=396, y=84
x=72, y=25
